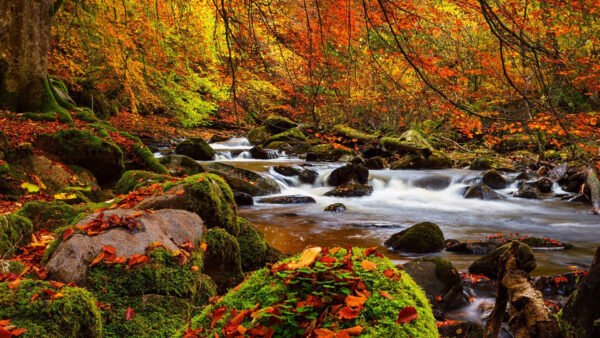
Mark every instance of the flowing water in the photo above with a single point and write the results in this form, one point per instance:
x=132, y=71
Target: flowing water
x=402, y=198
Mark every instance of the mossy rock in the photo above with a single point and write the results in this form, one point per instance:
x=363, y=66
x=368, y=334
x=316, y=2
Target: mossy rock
x=436, y=160
x=134, y=179
x=422, y=238
x=222, y=259
x=336, y=207
x=196, y=148
x=409, y=142
x=278, y=145
x=74, y=314
x=488, y=264
x=377, y=317
x=243, y=180
x=481, y=163
x=48, y=215
x=290, y=136
x=10, y=181
x=277, y=124
x=440, y=281
x=352, y=133
x=258, y=135
x=82, y=148
x=15, y=231
x=254, y=249
x=144, y=159
x=329, y=152
x=83, y=194
x=179, y=165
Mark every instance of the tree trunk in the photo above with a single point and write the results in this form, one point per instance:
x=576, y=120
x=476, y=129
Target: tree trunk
x=24, y=44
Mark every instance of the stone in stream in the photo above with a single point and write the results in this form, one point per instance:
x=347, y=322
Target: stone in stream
x=290, y=199
x=243, y=180
x=351, y=190
x=196, y=148
x=493, y=179
x=482, y=191
x=336, y=207
x=433, y=182
x=421, y=238
x=440, y=281
x=179, y=165
x=528, y=191
x=544, y=184
x=242, y=198
x=488, y=264
x=329, y=152
x=376, y=163
x=348, y=174
x=259, y=153
x=306, y=175
x=258, y=135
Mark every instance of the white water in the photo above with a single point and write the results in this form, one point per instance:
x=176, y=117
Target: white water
x=399, y=201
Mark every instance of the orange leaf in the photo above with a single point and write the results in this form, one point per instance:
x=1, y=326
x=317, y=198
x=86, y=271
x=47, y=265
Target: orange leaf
x=56, y=284
x=323, y=333
x=108, y=249
x=385, y=295
x=406, y=315
x=353, y=331
x=129, y=313
x=18, y=332
x=216, y=315
x=203, y=246
x=389, y=273
x=308, y=257
x=33, y=299
x=138, y=259
x=348, y=313
x=180, y=192
x=367, y=265
x=195, y=268
x=5, y=322
x=97, y=259
x=354, y=301
x=68, y=233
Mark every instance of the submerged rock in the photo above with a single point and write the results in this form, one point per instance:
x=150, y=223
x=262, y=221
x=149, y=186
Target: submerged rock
x=351, y=190
x=290, y=199
x=261, y=154
x=196, y=148
x=433, y=182
x=488, y=264
x=349, y=174
x=242, y=198
x=482, y=191
x=528, y=191
x=493, y=179
x=440, y=281
x=423, y=237
x=336, y=207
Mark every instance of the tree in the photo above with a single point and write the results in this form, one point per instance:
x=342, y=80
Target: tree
x=24, y=44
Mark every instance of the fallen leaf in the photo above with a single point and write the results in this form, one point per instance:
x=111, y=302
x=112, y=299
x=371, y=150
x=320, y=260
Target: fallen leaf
x=31, y=188
x=97, y=259
x=406, y=315
x=389, y=273
x=203, y=246
x=368, y=266
x=33, y=299
x=354, y=301
x=180, y=192
x=129, y=313
x=216, y=315
x=65, y=196
x=195, y=268
x=324, y=333
x=307, y=258
x=348, y=313
x=138, y=259
x=385, y=295
x=352, y=331
x=18, y=332
x=108, y=249
x=68, y=233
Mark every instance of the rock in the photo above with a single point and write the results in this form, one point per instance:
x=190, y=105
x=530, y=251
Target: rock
x=422, y=238
x=481, y=163
x=82, y=148
x=287, y=171
x=291, y=135
x=544, y=185
x=436, y=160
x=15, y=231
x=528, y=191
x=488, y=264
x=179, y=165
x=524, y=176
x=349, y=174
x=438, y=278
x=261, y=154
x=308, y=176
x=48, y=215
x=462, y=330
x=242, y=198
x=219, y=138
x=410, y=141
x=290, y=199
x=196, y=148
x=433, y=182
x=300, y=147
x=54, y=175
x=481, y=191
x=258, y=135
x=70, y=261
x=351, y=190
x=474, y=247
x=558, y=172
x=329, y=152
x=277, y=124
x=376, y=163
x=134, y=179
x=493, y=179
x=243, y=180
x=222, y=259
x=254, y=249
x=336, y=207
x=204, y=194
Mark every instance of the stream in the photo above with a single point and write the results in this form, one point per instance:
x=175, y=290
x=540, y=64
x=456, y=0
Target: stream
x=402, y=198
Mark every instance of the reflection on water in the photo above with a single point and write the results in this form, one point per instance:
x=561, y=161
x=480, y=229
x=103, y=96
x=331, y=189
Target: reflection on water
x=405, y=197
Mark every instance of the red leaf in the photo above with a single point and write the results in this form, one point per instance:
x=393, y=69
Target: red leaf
x=108, y=249
x=348, y=313
x=217, y=314
x=407, y=314
x=138, y=259
x=129, y=314
x=385, y=295
x=353, y=301
x=389, y=273
x=352, y=331
x=68, y=233
x=323, y=333
x=18, y=332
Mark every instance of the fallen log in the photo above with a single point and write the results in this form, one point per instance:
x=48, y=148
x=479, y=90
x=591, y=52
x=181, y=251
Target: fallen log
x=529, y=317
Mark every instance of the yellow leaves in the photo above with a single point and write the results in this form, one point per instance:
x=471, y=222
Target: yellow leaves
x=31, y=188
x=307, y=258
x=65, y=196
x=368, y=265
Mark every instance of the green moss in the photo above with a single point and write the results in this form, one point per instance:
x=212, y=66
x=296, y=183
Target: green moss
x=52, y=104
x=435, y=160
x=481, y=163
x=74, y=314
x=328, y=152
x=254, y=249
x=422, y=237
x=10, y=180
x=488, y=264
x=15, y=231
x=276, y=145
x=352, y=133
x=223, y=259
x=293, y=134
x=86, y=114
x=148, y=160
x=258, y=135
x=277, y=124
x=378, y=317
x=134, y=179
x=48, y=215
x=196, y=148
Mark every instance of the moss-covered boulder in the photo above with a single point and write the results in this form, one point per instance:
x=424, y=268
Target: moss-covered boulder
x=423, y=237
x=277, y=124
x=254, y=249
x=376, y=163
x=353, y=134
x=419, y=154
x=289, y=136
x=435, y=160
x=204, y=194
x=222, y=259
x=179, y=165
x=410, y=141
x=196, y=148
x=488, y=264
x=73, y=313
x=336, y=207
x=48, y=215
x=440, y=281
x=258, y=135
x=82, y=148
x=10, y=181
x=243, y=180
x=481, y=163
x=345, y=290
x=329, y=152
x=15, y=231
x=134, y=179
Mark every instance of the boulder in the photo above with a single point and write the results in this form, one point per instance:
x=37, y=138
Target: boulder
x=290, y=199
x=433, y=182
x=488, y=264
x=277, y=124
x=54, y=175
x=355, y=135
x=242, y=198
x=544, y=184
x=329, y=152
x=493, y=179
x=290, y=136
x=82, y=148
x=528, y=191
x=179, y=165
x=222, y=259
x=260, y=153
x=48, y=215
x=421, y=238
x=351, y=190
x=410, y=141
x=287, y=171
x=134, y=179
x=254, y=249
x=196, y=148
x=440, y=281
x=481, y=191
x=243, y=180
x=305, y=175
x=336, y=207
x=258, y=135
x=376, y=163
x=204, y=194
x=15, y=231
x=71, y=258
x=481, y=163
x=435, y=160
x=349, y=174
